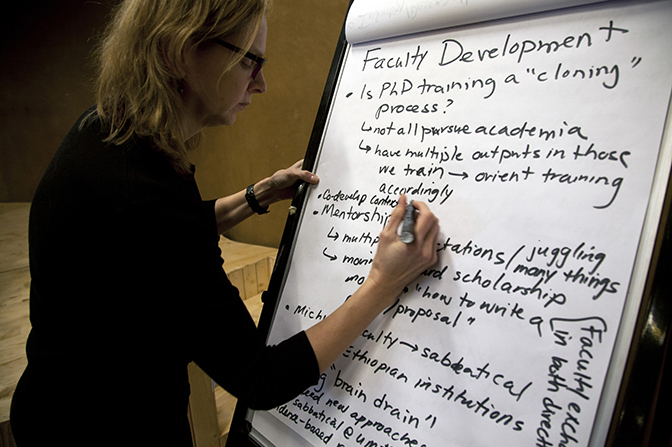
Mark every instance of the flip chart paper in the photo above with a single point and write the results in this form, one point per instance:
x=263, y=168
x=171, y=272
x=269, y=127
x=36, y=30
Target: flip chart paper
x=535, y=140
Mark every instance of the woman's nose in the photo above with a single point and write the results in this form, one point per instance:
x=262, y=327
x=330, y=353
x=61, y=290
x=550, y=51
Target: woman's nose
x=258, y=84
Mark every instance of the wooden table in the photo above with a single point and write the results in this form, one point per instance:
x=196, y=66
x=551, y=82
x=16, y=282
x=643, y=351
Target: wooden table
x=248, y=267
x=14, y=292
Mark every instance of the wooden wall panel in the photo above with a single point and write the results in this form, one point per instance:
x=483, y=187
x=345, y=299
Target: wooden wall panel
x=46, y=83
x=274, y=131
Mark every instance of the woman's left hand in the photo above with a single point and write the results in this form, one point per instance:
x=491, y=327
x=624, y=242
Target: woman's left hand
x=233, y=209
x=283, y=183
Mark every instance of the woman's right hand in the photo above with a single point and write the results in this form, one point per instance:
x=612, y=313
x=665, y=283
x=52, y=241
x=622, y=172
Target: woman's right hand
x=394, y=266
x=396, y=263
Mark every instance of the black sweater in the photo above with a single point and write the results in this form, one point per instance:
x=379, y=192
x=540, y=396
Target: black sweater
x=128, y=288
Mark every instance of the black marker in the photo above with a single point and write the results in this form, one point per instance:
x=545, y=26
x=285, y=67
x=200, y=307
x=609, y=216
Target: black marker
x=406, y=235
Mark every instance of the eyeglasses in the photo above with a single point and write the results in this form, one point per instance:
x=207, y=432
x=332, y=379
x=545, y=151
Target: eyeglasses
x=258, y=60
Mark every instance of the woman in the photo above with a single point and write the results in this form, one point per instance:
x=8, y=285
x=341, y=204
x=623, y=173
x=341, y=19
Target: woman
x=127, y=279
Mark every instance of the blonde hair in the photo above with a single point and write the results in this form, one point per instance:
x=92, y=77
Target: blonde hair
x=142, y=62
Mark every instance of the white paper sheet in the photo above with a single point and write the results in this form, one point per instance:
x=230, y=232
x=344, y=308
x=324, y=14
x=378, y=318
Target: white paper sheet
x=379, y=19
x=535, y=141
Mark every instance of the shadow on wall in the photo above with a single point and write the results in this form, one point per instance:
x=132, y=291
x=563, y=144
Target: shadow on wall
x=45, y=84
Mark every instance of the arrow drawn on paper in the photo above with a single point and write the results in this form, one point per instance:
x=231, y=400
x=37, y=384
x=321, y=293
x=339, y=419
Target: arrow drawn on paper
x=464, y=175
x=331, y=258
